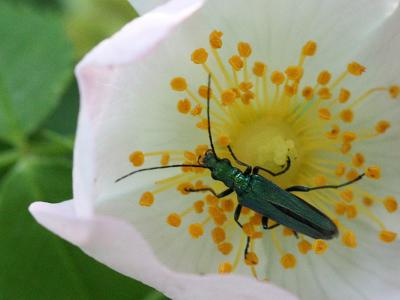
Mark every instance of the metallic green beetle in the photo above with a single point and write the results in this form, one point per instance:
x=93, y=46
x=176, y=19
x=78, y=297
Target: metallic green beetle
x=262, y=195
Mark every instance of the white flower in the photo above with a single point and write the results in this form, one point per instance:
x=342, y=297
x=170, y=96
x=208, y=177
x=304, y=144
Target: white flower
x=311, y=80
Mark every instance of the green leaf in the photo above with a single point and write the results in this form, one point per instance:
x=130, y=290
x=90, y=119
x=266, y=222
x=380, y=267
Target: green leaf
x=34, y=263
x=35, y=67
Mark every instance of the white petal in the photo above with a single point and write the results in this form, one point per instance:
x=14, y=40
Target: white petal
x=121, y=247
x=143, y=6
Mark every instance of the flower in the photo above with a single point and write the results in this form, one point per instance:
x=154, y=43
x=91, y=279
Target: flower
x=316, y=84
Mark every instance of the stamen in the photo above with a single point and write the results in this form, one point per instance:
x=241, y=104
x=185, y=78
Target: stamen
x=387, y=236
x=390, y=204
x=137, y=158
x=320, y=246
x=196, y=230
x=349, y=239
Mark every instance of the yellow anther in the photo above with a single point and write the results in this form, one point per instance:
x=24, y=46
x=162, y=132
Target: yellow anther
x=294, y=73
x=218, y=235
x=256, y=219
x=325, y=113
x=349, y=136
x=351, y=211
x=290, y=90
x=349, y=239
x=325, y=93
x=367, y=201
x=287, y=231
x=355, y=69
x=196, y=110
x=251, y=259
x=247, y=97
x=308, y=92
x=324, y=77
x=245, y=86
x=248, y=229
x=382, y=126
x=224, y=140
x=147, y=199
x=227, y=205
x=189, y=155
x=277, y=77
x=203, y=124
x=201, y=150
x=390, y=204
x=373, y=172
x=212, y=201
x=320, y=246
x=244, y=49
x=340, y=208
x=228, y=97
x=246, y=210
x=344, y=95
x=340, y=169
x=346, y=147
x=304, y=246
x=309, y=48
x=288, y=261
x=198, y=206
x=225, y=248
x=320, y=180
x=187, y=169
x=199, y=56
x=184, y=106
x=333, y=133
x=259, y=69
x=358, y=160
x=199, y=184
x=347, y=115
x=215, y=39
x=220, y=219
x=347, y=195
x=179, y=84
x=174, y=220
x=165, y=157
x=196, y=230
x=394, y=91
x=203, y=91
x=236, y=62
x=225, y=268
x=352, y=174
x=137, y=158
x=387, y=236
x=184, y=188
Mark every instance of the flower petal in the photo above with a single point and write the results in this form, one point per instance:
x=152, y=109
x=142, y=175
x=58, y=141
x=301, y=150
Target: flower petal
x=121, y=247
x=143, y=6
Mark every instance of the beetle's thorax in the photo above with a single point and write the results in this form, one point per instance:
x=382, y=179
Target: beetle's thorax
x=222, y=170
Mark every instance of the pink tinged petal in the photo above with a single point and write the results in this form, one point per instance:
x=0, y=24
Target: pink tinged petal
x=143, y=6
x=121, y=247
x=134, y=41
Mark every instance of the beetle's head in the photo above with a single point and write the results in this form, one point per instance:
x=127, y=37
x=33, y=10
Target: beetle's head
x=209, y=159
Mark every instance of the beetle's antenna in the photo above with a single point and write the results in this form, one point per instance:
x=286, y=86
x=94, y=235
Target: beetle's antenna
x=208, y=115
x=156, y=168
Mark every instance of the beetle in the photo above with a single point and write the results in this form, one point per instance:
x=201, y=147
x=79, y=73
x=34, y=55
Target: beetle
x=261, y=194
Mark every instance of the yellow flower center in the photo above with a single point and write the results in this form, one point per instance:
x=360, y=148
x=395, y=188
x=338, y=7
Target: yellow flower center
x=267, y=116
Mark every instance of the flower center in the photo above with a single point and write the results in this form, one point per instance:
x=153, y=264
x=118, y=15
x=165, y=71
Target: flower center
x=267, y=117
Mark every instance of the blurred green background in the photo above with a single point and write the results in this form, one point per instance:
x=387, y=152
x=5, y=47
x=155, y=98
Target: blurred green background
x=41, y=41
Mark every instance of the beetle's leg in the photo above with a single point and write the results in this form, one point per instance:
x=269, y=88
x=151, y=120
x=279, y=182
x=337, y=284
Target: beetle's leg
x=248, y=167
x=264, y=222
x=219, y=195
x=237, y=215
x=246, y=250
x=299, y=188
x=296, y=234
x=257, y=169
